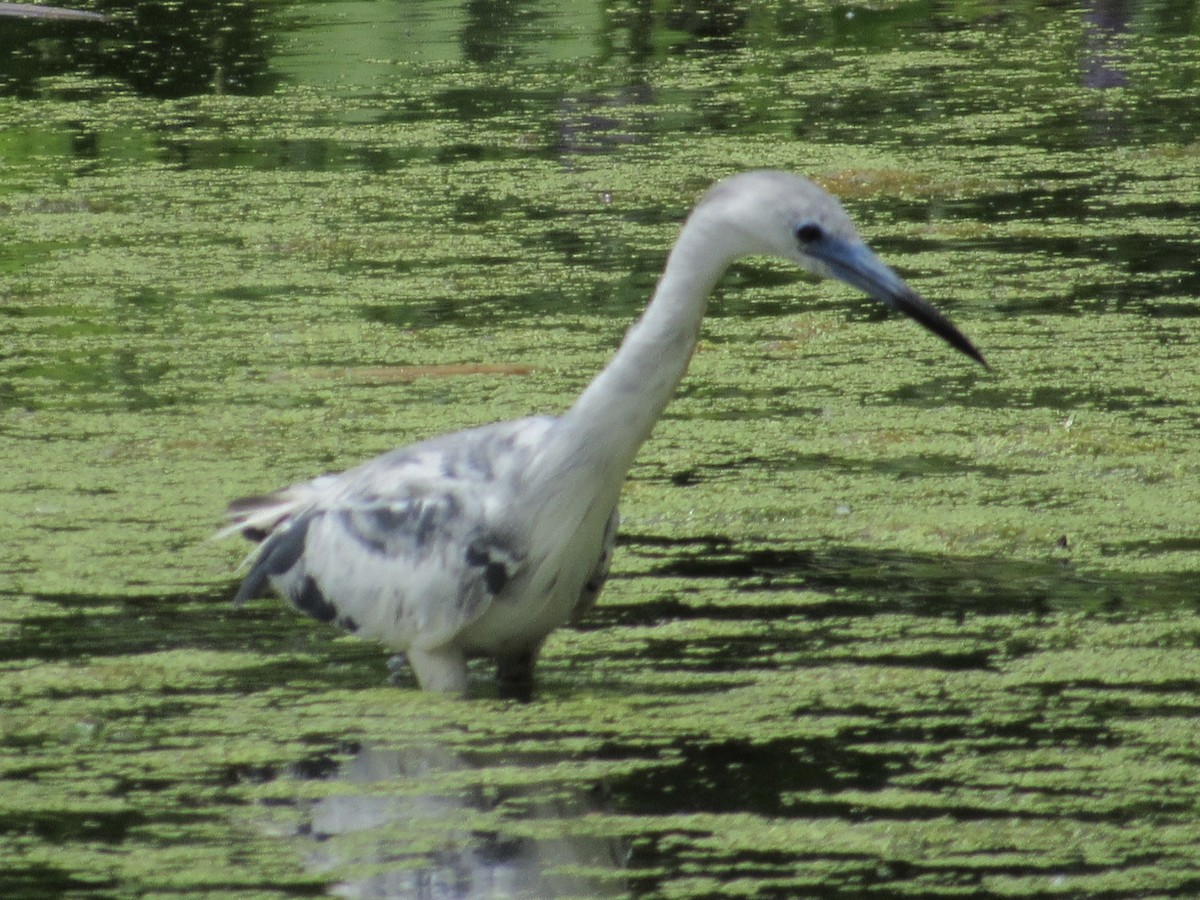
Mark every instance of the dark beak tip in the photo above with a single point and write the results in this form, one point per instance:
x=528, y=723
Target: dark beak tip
x=926, y=315
x=970, y=350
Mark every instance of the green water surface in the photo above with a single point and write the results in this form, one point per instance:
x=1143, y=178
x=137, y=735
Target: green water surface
x=881, y=623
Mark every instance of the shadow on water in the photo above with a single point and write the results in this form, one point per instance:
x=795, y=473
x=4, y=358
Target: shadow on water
x=431, y=821
x=838, y=582
x=869, y=581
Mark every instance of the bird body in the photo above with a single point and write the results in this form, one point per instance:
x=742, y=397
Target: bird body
x=481, y=542
x=449, y=518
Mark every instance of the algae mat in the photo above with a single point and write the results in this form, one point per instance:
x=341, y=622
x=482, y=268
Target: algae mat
x=881, y=623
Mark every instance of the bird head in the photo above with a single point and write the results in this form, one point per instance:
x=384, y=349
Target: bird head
x=778, y=214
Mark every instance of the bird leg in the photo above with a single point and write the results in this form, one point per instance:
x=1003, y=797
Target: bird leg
x=514, y=675
x=442, y=669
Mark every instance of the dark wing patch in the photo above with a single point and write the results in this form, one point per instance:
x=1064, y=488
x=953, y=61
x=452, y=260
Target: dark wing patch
x=277, y=555
x=310, y=601
x=399, y=528
x=494, y=561
x=495, y=576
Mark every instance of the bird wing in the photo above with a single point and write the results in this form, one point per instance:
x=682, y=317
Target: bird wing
x=408, y=548
x=599, y=575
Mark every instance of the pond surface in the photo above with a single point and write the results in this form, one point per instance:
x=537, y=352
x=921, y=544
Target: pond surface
x=881, y=623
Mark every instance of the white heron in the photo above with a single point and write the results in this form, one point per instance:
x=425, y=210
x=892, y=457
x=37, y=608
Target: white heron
x=481, y=542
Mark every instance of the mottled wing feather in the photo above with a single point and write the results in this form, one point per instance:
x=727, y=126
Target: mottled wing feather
x=408, y=548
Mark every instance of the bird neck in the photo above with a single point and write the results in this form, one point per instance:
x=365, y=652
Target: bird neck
x=618, y=410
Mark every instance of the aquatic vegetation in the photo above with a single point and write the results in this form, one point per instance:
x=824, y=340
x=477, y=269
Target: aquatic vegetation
x=879, y=622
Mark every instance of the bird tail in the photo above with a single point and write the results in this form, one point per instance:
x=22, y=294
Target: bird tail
x=256, y=517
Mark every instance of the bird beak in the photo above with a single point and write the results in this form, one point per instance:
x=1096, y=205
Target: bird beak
x=854, y=263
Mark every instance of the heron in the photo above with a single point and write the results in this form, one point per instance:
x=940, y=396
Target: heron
x=481, y=542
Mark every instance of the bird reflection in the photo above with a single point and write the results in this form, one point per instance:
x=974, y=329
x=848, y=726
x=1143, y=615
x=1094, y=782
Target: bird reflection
x=387, y=836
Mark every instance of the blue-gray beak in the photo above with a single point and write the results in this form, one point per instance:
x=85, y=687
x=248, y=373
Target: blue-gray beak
x=854, y=263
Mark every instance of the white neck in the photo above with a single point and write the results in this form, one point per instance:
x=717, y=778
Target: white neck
x=602, y=432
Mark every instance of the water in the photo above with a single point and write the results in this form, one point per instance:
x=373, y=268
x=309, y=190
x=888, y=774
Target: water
x=880, y=623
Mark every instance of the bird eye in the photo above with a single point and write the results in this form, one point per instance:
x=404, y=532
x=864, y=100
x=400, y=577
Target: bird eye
x=808, y=232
